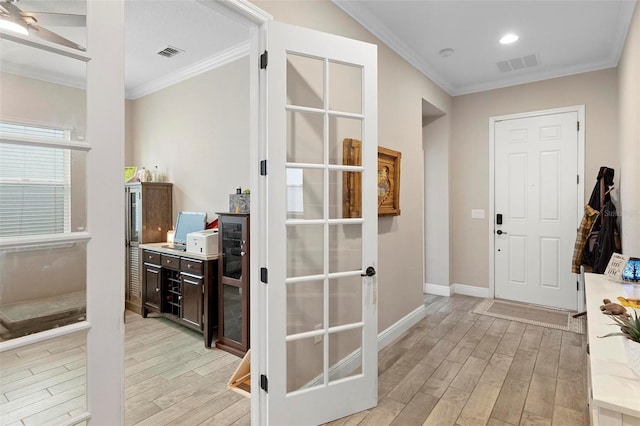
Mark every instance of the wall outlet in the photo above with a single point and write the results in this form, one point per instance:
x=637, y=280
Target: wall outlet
x=317, y=339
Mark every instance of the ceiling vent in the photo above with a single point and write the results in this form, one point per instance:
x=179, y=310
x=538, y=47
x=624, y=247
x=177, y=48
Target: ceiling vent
x=518, y=63
x=170, y=52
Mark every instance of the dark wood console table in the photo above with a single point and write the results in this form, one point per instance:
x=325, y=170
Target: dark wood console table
x=181, y=286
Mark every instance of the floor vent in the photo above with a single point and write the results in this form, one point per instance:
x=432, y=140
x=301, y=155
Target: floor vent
x=169, y=52
x=518, y=63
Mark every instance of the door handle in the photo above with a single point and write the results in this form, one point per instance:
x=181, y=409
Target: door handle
x=371, y=271
x=500, y=232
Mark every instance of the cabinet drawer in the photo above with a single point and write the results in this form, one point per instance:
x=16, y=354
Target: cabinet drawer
x=171, y=262
x=151, y=257
x=192, y=266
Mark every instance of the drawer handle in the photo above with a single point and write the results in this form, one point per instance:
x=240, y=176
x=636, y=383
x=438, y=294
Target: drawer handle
x=157, y=289
x=188, y=266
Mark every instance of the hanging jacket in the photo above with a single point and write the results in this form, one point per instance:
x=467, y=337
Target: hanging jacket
x=608, y=240
x=586, y=225
x=587, y=251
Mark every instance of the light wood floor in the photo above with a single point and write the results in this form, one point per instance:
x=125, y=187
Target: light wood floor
x=459, y=368
x=453, y=368
x=170, y=378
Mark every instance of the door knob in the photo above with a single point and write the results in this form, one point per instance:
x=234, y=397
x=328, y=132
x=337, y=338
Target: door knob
x=371, y=271
x=500, y=232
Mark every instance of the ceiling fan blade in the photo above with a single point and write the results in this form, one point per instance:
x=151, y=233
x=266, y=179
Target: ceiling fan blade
x=47, y=35
x=12, y=10
x=57, y=19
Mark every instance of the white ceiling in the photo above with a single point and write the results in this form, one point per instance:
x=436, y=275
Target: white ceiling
x=566, y=37
x=201, y=32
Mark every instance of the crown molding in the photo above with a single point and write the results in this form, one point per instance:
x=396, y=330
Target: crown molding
x=532, y=78
x=229, y=55
x=374, y=25
x=68, y=81
x=378, y=29
x=624, y=19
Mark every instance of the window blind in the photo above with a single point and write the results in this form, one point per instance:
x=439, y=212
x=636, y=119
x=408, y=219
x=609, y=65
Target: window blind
x=35, y=183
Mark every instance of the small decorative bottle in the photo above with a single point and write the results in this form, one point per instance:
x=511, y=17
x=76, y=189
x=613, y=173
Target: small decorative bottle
x=156, y=176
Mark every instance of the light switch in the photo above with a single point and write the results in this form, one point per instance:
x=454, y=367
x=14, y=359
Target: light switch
x=477, y=213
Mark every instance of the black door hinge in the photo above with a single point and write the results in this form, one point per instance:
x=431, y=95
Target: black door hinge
x=264, y=383
x=578, y=126
x=578, y=179
x=263, y=168
x=264, y=60
x=264, y=275
x=577, y=285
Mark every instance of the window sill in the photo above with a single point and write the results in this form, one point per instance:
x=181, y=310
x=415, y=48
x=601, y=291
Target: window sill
x=39, y=242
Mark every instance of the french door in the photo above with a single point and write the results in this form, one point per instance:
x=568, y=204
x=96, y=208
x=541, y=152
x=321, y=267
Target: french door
x=319, y=360
x=68, y=366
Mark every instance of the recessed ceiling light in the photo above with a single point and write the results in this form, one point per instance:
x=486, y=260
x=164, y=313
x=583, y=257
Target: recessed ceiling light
x=508, y=39
x=446, y=52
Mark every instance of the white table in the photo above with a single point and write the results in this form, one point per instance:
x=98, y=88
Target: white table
x=614, y=390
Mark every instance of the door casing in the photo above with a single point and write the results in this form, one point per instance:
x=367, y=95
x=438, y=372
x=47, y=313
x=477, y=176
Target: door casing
x=580, y=110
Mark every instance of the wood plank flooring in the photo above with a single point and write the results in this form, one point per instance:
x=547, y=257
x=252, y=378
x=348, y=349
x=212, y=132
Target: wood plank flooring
x=459, y=368
x=452, y=368
x=170, y=378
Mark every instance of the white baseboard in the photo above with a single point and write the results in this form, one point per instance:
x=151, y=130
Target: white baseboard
x=394, y=331
x=351, y=362
x=471, y=290
x=467, y=290
x=438, y=290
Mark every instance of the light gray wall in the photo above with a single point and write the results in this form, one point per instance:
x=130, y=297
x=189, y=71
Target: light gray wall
x=598, y=91
x=629, y=74
x=436, y=174
x=197, y=132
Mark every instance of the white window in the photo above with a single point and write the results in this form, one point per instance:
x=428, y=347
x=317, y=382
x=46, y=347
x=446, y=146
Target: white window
x=35, y=182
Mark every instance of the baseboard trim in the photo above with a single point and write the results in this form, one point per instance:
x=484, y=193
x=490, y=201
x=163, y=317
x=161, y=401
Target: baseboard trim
x=470, y=290
x=351, y=362
x=447, y=291
x=397, y=329
x=438, y=290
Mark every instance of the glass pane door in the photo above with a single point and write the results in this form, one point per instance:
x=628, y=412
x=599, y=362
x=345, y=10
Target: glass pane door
x=324, y=339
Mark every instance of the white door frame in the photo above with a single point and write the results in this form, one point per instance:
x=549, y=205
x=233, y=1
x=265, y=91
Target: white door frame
x=256, y=19
x=580, y=110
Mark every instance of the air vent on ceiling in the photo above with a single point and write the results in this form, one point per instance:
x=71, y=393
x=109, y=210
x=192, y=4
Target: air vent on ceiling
x=518, y=63
x=169, y=52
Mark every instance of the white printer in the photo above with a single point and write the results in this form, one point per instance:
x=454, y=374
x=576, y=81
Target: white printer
x=203, y=242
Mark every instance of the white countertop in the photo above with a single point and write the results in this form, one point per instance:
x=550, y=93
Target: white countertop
x=614, y=385
x=158, y=247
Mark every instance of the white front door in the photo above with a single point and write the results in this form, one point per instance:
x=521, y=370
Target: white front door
x=320, y=323
x=536, y=199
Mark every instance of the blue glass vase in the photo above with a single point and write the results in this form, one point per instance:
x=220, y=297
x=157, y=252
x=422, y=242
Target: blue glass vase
x=631, y=270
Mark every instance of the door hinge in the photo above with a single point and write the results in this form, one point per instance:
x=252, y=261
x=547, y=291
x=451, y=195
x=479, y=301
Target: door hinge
x=264, y=383
x=263, y=168
x=577, y=285
x=264, y=275
x=578, y=126
x=578, y=179
x=264, y=60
